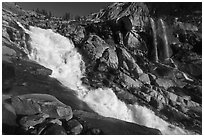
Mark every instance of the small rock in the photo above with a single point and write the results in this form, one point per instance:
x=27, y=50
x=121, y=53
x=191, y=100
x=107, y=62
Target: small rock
x=54, y=129
x=31, y=121
x=56, y=121
x=165, y=83
x=172, y=96
x=156, y=103
x=74, y=127
x=65, y=112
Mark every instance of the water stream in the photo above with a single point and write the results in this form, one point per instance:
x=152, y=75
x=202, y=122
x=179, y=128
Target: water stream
x=60, y=55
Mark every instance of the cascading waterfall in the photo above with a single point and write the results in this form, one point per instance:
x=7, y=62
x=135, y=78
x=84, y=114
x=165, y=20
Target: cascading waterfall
x=165, y=40
x=59, y=54
x=154, y=39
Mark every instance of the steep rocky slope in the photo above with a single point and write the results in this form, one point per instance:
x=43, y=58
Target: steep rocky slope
x=155, y=61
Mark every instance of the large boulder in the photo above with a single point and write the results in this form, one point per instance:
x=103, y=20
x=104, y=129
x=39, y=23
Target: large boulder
x=94, y=47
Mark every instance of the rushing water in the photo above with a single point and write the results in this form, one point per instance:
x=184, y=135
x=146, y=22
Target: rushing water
x=154, y=39
x=165, y=40
x=59, y=54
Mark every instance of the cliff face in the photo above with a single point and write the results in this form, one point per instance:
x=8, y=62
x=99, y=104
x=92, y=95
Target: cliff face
x=154, y=61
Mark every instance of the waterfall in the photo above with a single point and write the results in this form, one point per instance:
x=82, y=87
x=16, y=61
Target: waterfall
x=165, y=40
x=154, y=39
x=59, y=54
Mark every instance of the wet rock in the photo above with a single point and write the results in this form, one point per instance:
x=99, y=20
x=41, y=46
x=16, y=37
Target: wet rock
x=74, y=127
x=44, y=72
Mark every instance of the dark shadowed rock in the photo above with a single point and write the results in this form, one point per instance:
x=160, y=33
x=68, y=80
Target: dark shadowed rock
x=54, y=129
x=74, y=127
x=8, y=75
x=115, y=126
x=8, y=112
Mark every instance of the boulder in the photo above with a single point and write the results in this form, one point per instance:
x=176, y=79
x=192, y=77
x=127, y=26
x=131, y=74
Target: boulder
x=32, y=104
x=94, y=47
x=25, y=106
x=74, y=127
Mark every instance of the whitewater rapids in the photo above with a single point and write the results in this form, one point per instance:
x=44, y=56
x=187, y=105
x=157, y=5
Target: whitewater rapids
x=60, y=55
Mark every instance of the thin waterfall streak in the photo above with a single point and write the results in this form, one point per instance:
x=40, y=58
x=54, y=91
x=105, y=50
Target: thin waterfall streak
x=156, y=59
x=165, y=40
